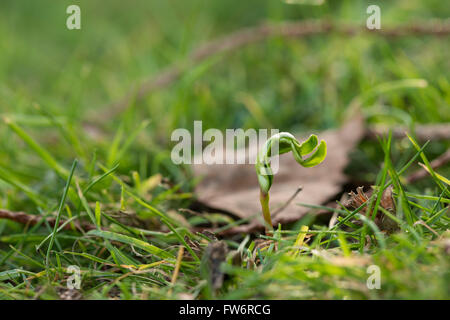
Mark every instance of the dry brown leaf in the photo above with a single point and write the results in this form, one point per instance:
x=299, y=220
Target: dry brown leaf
x=234, y=188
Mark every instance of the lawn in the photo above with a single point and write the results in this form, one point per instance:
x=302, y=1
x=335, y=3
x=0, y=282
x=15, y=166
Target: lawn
x=88, y=186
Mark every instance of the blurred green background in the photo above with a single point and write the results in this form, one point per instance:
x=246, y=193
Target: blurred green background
x=296, y=82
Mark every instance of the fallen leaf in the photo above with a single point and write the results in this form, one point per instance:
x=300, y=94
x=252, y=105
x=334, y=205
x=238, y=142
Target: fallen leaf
x=386, y=202
x=235, y=189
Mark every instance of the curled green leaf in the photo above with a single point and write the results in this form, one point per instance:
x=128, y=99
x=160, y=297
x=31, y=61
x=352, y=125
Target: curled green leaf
x=284, y=142
x=308, y=154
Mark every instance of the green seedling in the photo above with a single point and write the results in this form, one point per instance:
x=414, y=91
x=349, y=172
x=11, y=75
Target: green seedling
x=278, y=144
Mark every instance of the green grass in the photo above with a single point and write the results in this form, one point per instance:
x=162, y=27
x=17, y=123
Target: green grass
x=55, y=86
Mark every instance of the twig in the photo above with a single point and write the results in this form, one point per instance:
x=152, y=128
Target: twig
x=251, y=35
x=426, y=226
x=280, y=209
x=31, y=219
x=439, y=131
x=440, y=161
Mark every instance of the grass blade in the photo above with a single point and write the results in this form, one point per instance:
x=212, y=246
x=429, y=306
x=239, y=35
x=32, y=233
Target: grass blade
x=60, y=208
